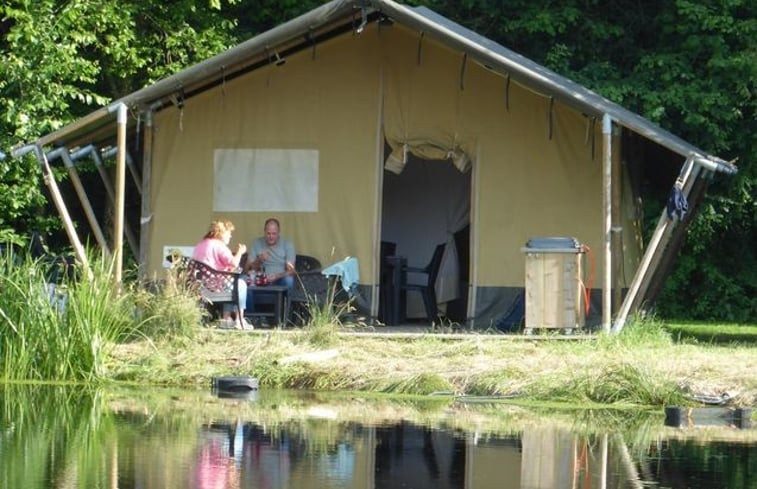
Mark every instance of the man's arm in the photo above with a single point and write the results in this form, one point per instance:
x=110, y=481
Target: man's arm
x=254, y=258
x=291, y=257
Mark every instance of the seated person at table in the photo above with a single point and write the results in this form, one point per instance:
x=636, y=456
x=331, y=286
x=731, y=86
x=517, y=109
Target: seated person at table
x=213, y=250
x=273, y=255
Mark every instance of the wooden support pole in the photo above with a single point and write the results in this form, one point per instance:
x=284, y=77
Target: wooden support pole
x=378, y=265
x=82, y=194
x=133, y=170
x=688, y=177
x=656, y=243
x=95, y=153
x=118, y=224
x=49, y=179
x=607, y=217
x=103, y=173
x=145, y=220
x=617, y=224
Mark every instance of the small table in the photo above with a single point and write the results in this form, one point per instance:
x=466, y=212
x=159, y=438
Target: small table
x=280, y=295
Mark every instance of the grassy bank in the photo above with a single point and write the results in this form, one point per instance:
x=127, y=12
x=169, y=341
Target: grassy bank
x=643, y=367
x=158, y=337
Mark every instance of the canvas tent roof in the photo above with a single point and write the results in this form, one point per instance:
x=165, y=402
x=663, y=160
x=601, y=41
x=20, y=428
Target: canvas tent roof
x=307, y=30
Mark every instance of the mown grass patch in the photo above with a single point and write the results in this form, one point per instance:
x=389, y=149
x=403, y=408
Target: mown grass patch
x=713, y=333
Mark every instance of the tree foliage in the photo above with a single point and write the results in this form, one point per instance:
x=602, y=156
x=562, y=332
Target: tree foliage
x=688, y=65
x=60, y=60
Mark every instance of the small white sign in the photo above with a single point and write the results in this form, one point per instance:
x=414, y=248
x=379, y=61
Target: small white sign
x=169, y=250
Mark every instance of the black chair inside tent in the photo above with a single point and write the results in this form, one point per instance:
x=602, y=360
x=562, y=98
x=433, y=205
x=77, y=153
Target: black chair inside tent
x=427, y=287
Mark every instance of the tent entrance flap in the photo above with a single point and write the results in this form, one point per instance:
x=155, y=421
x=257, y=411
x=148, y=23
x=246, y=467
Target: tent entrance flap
x=427, y=204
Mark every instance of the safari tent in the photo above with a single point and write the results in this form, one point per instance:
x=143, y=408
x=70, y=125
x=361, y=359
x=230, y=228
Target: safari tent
x=367, y=122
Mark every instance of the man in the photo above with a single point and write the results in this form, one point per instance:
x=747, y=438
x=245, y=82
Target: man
x=273, y=255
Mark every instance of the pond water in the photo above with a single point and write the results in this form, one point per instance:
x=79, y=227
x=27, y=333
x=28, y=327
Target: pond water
x=77, y=437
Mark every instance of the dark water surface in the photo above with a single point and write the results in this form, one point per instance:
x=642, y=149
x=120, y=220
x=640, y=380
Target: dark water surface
x=75, y=437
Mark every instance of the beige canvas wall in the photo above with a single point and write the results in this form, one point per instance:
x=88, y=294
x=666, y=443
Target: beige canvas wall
x=329, y=104
x=530, y=184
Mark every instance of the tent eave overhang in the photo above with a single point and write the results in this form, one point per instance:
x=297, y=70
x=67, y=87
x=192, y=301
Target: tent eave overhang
x=339, y=15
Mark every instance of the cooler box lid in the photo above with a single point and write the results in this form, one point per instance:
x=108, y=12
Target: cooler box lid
x=553, y=244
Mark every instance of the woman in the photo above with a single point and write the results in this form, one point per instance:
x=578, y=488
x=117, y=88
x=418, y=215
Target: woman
x=214, y=251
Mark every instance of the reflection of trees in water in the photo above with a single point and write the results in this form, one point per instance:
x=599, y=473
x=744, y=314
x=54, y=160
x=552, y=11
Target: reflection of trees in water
x=690, y=463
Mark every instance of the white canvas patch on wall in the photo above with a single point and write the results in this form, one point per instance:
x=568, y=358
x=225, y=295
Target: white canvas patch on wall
x=258, y=180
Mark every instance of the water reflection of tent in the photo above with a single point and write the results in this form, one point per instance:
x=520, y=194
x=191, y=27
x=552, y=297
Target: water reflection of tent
x=417, y=456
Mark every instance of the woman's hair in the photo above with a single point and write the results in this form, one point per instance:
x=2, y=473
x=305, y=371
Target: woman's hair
x=217, y=228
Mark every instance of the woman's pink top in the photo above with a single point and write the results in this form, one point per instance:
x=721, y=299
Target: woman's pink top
x=215, y=253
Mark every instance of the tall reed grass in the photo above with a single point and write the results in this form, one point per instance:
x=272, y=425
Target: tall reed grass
x=170, y=308
x=57, y=331
x=64, y=330
x=324, y=316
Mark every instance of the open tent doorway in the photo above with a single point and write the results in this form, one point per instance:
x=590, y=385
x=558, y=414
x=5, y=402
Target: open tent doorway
x=427, y=202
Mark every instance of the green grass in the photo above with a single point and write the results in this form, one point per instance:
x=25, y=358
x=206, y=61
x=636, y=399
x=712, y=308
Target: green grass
x=170, y=308
x=66, y=334
x=324, y=317
x=619, y=384
x=712, y=333
x=60, y=335
x=157, y=337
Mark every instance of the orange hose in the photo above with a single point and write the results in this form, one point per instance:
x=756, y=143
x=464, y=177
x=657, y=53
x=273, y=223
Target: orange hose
x=590, y=282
